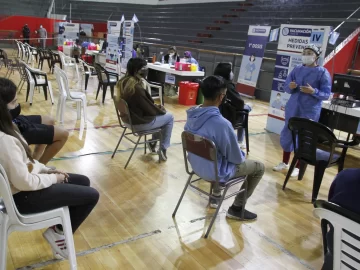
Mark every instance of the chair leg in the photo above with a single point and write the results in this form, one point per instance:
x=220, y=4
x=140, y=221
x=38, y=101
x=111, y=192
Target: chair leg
x=4, y=219
x=105, y=86
x=59, y=105
x=78, y=109
x=182, y=195
x=51, y=93
x=292, y=166
x=63, y=105
x=247, y=140
x=145, y=145
x=32, y=89
x=318, y=176
x=45, y=91
x=98, y=90
x=303, y=166
x=86, y=80
x=69, y=239
x=137, y=143
x=112, y=87
x=84, y=106
x=117, y=146
x=341, y=165
x=216, y=213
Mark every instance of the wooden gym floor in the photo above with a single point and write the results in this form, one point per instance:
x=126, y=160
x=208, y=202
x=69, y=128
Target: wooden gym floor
x=132, y=228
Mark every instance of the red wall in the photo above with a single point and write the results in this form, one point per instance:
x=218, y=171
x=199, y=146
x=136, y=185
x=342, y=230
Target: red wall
x=343, y=58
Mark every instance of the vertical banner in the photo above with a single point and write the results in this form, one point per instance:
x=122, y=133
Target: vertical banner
x=128, y=33
x=252, y=59
x=292, y=41
x=112, y=50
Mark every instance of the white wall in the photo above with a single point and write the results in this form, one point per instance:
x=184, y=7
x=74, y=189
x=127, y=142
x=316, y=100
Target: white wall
x=162, y=2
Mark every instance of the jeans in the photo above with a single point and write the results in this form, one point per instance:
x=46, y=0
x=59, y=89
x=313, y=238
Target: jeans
x=241, y=131
x=165, y=123
x=76, y=194
x=254, y=171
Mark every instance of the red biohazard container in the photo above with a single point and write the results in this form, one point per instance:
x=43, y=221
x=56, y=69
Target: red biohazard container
x=187, y=93
x=87, y=58
x=60, y=48
x=182, y=66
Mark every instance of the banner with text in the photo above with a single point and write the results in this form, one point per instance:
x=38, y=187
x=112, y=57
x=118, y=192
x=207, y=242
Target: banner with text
x=292, y=41
x=253, y=56
x=112, y=50
x=128, y=32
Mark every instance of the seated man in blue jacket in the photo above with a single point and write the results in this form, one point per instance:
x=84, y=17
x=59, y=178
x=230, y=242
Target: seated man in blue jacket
x=206, y=120
x=344, y=191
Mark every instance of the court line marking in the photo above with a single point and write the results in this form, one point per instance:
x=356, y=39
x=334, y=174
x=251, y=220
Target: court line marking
x=176, y=227
x=128, y=150
x=117, y=125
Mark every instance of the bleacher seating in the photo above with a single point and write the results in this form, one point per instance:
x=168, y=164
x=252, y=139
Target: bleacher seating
x=36, y=8
x=216, y=27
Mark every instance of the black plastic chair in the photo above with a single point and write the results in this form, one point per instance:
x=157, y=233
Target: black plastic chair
x=345, y=225
x=55, y=59
x=315, y=144
x=244, y=123
x=44, y=55
x=205, y=148
x=106, y=78
x=124, y=117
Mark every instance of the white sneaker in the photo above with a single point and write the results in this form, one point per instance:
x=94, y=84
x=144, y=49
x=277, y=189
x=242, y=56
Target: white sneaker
x=57, y=243
x=295, y=172
x=280, y=167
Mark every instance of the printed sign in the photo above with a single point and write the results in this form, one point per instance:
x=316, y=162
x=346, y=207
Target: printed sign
x=253, y=55
x=169, y=78
x=128, y=42
x=292, y=41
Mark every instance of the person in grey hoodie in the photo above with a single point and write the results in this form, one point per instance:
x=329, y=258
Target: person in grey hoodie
x=206, y=120
x=43, y=36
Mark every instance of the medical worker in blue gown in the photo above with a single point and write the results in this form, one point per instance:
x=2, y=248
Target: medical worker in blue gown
x=308, y=84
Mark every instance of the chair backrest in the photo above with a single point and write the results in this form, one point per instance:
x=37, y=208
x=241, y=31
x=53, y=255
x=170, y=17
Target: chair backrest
x=308, y=136
x=62, y=58
x=201, y=147
x=99, y=71
x=123, y=112
x=62, y=82
x=7, y=198
x=346, y=236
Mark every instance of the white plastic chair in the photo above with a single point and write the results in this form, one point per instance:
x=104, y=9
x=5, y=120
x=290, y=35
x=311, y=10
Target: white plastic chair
x=148, y=85
x=38, y=78
x=87, y=71
x=66, y=94
x=11, y=220
x=19, y=52
x=69, y=62
x=346, y=234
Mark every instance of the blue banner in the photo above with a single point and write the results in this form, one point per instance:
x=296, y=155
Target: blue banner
x=253, y=55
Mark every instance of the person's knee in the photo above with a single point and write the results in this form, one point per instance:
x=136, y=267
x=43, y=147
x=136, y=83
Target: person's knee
x=60, y=134
x=260, y=167
x=47, y=120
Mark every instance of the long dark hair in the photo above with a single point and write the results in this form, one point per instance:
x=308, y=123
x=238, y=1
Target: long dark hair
x=7, y=94
x=126, y=86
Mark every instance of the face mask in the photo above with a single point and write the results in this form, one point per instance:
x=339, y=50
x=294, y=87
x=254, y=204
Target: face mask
x=308, y=59
x=15, y=112
x=172, y=54
x=252, y=59
x=278, y=98
x=231, y=76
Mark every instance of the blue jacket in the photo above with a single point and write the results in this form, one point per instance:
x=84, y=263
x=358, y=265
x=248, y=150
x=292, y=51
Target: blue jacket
x=345, y=190
x=209, y=123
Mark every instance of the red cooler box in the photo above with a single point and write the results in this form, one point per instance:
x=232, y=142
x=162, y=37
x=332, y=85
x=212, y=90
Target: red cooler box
x=87, y=58
x=188, y=93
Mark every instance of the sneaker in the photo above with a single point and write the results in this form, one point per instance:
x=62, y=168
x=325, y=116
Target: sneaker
x=295, y=172
x=214, y=202
x=242, y=145
x=57, y=242
x=235, y=213
x=162, y=154
x=282, y=166
x=151, y=146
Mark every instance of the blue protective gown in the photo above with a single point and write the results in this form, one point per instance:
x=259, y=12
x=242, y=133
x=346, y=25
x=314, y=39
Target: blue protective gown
x=304, y=105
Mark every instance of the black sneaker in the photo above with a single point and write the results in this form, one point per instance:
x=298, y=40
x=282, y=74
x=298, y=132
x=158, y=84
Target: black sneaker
x=162, y=154
x=214, y=202
x=152, y=147
x=235, y=213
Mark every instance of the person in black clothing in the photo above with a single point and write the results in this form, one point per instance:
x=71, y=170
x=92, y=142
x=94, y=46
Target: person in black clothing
x=344, y=191
x=172, y=56
x=234, y=102
x=26, y=34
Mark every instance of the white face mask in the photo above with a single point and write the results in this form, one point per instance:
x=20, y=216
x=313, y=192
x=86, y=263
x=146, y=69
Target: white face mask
x=172, y=54
x=231, y=76
x=308, y=59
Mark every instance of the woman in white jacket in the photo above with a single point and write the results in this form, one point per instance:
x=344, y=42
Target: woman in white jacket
x=35, y=187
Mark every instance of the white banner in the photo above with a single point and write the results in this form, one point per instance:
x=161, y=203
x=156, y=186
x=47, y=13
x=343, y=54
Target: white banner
x=128, y=32
x=292, y=41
